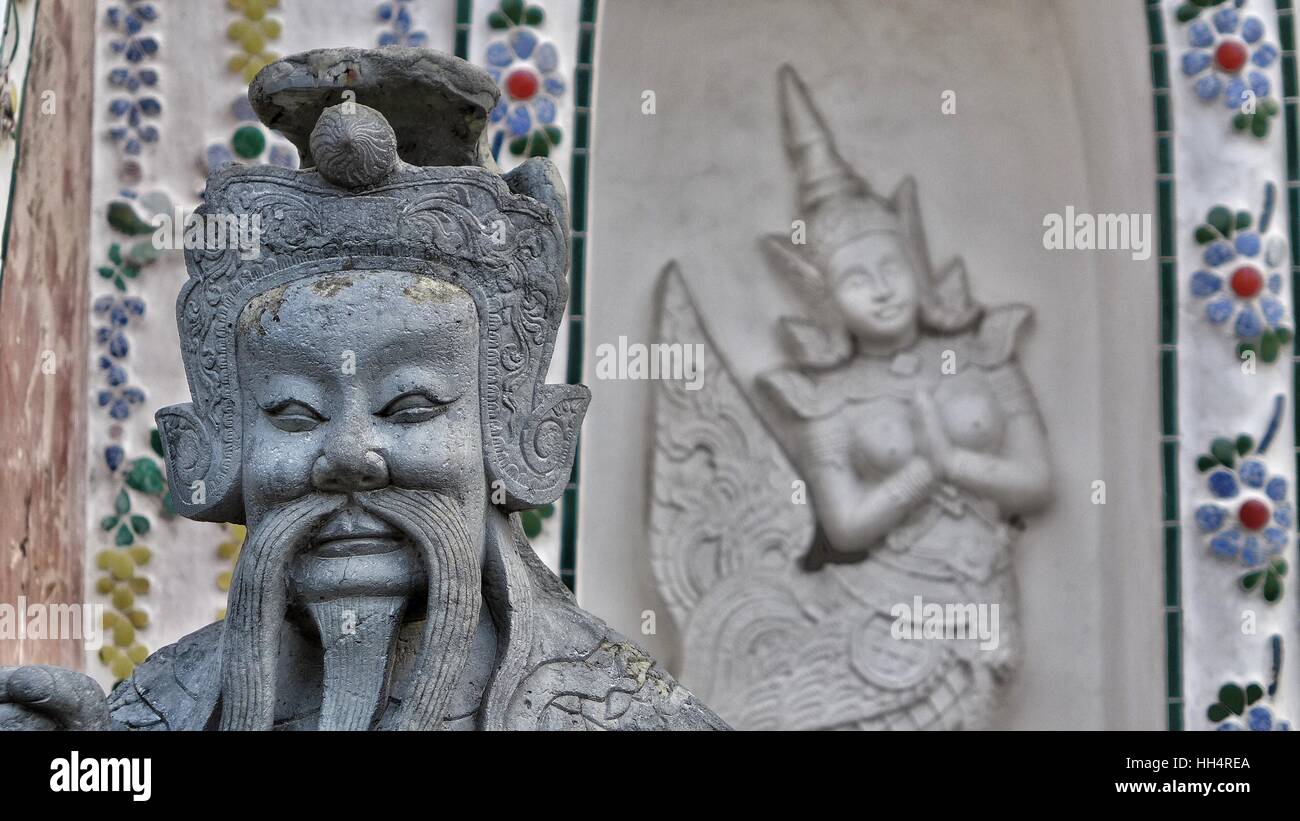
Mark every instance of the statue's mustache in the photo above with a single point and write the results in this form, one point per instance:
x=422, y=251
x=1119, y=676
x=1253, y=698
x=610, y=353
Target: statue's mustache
x=259, y=591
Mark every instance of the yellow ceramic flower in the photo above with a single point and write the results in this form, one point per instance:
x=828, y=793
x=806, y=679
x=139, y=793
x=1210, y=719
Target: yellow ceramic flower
x=252, y=31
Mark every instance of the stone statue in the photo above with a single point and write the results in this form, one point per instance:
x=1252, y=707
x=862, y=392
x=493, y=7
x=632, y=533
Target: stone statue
x=369, y=397
x=867, y=491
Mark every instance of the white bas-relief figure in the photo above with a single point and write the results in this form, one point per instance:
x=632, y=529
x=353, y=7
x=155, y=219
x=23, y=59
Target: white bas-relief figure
x=836, y=553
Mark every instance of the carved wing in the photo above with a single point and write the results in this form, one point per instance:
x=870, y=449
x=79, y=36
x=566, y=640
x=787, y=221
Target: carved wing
x=721, y=489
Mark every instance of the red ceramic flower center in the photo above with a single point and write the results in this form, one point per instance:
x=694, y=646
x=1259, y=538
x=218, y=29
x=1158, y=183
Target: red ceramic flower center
x=1247, y=281
x=1231, y=55
x=1253, y=514
x=521, y=84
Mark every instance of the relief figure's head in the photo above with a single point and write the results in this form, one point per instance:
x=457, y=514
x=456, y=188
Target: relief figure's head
x=864, y=266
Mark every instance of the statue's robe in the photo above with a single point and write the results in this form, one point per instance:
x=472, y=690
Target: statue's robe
x=551, y=666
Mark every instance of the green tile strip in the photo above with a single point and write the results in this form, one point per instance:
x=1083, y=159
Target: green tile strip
x=464, y=8
x=1286, y=38
x=1167, y=351
x=582, y=76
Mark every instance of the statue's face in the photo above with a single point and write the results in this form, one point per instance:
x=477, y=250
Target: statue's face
x=355, y=382
x=874, y=287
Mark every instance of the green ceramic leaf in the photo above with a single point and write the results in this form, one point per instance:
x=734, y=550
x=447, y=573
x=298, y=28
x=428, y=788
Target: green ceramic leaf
x=1241, y=122
x=120, y=283
x=122, y=504
x=122, y=216
x=1268, y=106
x=546, y=511
x=140, y=524
x=1251, y=579
x=1245, y=444
x=1217, y=713
x=1221, y=218
x=531, y=522
x=1231, y=696
x=1243, y=220
x=534, y=16
x=1259, y=126
x=1204, y=463
x=1269, y=347
x=518, y=145
x=1253, y=693
x=145, y=476
x=1222, y=449
x=537, y=145
x=1272, y=588
x=115, y=253
x=1205, y=233
x=1279, y=567
x=248, y=142
x=124, y=536
x=142, y=253
x=108, y=522
x=497, y=20
x=155, y=442
x=514, y=9
x=554, y=134
x=1283, y=335
x=107, y=272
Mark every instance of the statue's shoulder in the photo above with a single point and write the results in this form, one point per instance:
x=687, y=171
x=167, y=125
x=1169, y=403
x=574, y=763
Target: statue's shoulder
x=587, y=676
x=174, y=689
x=997, y=338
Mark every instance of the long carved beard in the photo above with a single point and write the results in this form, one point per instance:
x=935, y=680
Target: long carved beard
x=259, y=593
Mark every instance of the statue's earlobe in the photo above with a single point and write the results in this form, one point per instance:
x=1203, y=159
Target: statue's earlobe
x=534, y=469
x=190, y=449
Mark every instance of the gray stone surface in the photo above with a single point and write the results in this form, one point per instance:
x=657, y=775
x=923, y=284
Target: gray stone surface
x=369, y=397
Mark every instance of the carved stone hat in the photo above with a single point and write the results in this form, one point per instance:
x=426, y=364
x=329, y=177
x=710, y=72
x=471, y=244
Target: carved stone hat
x=396, y=177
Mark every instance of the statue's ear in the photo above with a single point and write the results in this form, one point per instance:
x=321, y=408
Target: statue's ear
x=539, y=179
x=533, y=469
x=190, y=449
x=795, y=267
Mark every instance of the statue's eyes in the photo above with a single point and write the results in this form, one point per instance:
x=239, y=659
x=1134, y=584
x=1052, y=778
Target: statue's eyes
x=294, y=417
x=410, y=408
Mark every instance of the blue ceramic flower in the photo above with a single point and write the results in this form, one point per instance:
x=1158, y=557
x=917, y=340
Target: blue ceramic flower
x=527, y=70
x=1226, y=55
x=129, y=20
x=398, y=17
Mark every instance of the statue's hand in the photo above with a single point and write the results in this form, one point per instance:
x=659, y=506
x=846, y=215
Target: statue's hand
x=37, y=697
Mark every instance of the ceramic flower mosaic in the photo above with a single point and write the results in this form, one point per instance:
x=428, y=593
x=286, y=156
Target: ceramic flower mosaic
x=1242, y=283
x=1249, y=518
x=1226, y=61
x=526, y=67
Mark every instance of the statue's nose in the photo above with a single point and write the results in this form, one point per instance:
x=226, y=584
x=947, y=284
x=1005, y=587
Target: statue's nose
x=342, y=473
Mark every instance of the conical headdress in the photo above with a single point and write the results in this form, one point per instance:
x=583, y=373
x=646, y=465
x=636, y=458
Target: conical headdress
x=836, y=202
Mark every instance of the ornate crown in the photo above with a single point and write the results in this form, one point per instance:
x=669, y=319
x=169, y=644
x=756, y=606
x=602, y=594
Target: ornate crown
x=838, y=205
x=503, y=240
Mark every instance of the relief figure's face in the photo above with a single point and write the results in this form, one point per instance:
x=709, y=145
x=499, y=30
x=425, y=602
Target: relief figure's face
x=356, y=382
x=874, y=287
